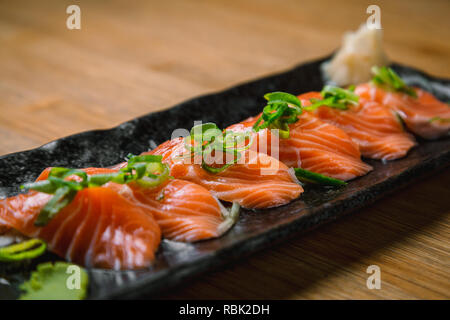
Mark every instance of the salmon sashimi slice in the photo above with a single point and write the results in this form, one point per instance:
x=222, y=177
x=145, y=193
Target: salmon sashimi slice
x=258, y=181
x=424, y=115
x=184, y=211
x=313, y=145
x=373, y=127
x=99, y=228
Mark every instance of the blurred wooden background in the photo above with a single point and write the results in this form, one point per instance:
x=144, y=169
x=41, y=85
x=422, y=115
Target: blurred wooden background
x=134, y=57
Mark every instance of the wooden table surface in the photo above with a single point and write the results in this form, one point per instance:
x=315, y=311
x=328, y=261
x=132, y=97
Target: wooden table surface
x=134, y=57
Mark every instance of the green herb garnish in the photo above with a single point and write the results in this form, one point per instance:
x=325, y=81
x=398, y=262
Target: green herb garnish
x=146, y=171
x=334, y=97
x=384, y=76
x=317, y=178
x=58, y=281
x=281, y=110
x=24, y=250
x=439, y=119
x=207, y=140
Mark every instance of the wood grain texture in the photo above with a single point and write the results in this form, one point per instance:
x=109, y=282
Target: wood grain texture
x=134, y=57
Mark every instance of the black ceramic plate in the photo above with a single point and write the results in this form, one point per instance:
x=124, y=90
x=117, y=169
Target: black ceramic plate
x=255, y=230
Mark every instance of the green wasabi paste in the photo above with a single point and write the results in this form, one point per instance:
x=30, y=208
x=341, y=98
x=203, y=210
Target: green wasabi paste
x=58, y=281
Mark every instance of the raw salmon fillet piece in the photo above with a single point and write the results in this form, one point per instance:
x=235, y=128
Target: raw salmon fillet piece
x=119, y=226
x=259, y=181
x=425, y=115
x=183, y=210
x=373, y=127
x=313, y=145
x=99, y=228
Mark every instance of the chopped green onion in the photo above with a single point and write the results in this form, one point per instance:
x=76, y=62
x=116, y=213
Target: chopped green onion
x=206, y=139
x=439, y=119
x=216, y=170
x=147, y=171
x=334, y=97
x=202, y=129
x=317, y=178
x=62, y=197
x=283, y=97
x=281, y=110
x=148, y=158
x=25, y=250
x=44, y=186
x=384, y=76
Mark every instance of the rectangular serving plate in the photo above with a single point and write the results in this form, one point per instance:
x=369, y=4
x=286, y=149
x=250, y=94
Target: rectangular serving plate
x=255, y=230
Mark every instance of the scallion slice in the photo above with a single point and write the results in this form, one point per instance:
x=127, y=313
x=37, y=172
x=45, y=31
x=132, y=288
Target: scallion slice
x=207, y=139
x=386, y=77
x=281, y=110
x=24, y=250
x=147, y=171
x=439, y=119
x=317, y=178
x=334, y=97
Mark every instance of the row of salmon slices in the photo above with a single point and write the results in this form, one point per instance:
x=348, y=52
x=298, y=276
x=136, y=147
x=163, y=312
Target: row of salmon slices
x=120, y=225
